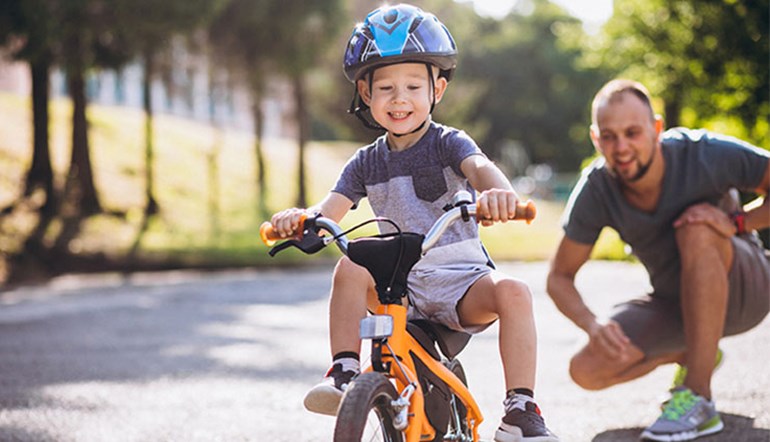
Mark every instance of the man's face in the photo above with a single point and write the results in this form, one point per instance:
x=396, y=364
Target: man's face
x=626, y=135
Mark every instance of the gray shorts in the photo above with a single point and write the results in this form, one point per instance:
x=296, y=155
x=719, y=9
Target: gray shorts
x=435, y=292
x=654, y=324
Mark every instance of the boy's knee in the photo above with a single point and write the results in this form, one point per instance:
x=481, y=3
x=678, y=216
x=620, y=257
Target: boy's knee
x=347, y=270
x=347, y=267
x=515, y=292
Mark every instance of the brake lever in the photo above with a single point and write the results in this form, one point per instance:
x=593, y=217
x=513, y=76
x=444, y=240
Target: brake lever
x=309, y=243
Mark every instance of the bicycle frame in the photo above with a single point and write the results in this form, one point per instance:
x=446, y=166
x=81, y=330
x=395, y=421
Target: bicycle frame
x=393, y=350
x=400, y=366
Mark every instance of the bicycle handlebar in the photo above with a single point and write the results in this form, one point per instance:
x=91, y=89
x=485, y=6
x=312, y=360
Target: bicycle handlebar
x=524, y=211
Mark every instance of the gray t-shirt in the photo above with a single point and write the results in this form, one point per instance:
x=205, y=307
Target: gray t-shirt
x=412, y=186
x=700, y=167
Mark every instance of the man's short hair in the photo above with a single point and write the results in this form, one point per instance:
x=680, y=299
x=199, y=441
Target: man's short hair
x=614, y=90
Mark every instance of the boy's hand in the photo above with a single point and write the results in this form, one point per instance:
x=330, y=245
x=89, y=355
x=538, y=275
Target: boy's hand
x=495, y=205
x=287, y=222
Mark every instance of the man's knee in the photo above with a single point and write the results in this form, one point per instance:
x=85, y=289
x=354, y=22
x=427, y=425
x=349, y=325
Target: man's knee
x=695, y=240
x=583, y=369
x=695, y=234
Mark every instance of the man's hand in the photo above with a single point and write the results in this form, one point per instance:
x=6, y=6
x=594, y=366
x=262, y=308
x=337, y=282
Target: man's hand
x=609, y=340
x=712, y=216
x=495, y=205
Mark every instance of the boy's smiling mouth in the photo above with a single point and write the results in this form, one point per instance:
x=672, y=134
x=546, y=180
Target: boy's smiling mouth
x=400, y=115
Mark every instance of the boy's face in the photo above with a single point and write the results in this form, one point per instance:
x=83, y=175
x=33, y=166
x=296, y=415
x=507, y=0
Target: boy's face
x=401, y=96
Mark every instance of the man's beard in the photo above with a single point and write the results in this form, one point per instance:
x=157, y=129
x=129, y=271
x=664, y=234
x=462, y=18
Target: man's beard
x=641, y=172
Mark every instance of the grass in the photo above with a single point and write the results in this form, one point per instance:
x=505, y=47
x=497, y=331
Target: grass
x=206, y=188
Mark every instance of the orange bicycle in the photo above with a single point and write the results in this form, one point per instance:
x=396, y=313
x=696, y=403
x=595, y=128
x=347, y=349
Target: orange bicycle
x=409, y=390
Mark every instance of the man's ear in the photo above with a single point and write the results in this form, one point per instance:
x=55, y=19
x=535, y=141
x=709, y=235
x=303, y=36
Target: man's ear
x=593, y=130
x=439, y=87
x=363, y=91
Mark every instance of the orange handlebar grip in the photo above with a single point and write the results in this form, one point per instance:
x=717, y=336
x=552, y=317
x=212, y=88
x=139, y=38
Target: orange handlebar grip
x=267, y=234
x=270, y=236
x=526, y=211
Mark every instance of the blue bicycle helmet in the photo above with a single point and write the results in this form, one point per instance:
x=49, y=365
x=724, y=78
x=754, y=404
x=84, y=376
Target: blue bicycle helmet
x=396, y=34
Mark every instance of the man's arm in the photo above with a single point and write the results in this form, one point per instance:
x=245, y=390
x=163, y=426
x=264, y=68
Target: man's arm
x=605, y=337
x=755, y=219
x=759, y=217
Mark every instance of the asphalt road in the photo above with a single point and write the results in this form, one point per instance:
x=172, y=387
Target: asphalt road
x=228, y=356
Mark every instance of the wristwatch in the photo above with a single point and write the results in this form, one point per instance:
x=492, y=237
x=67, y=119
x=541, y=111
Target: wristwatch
x=739, y=219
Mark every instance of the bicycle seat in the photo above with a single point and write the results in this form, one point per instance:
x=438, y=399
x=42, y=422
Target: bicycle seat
x=428, y=334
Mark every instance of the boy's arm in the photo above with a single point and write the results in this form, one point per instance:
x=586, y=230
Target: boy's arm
x=497, y=199
x=334, y=206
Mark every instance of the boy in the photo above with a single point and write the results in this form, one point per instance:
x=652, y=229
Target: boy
x=401, y=60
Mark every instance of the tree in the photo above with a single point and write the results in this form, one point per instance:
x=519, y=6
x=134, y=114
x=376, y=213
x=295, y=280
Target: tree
x=706, y=59
x=242, y=37
x=148, y=27
x=305, y=31
x=277, y=36
x=29, y=27
x=532, y=88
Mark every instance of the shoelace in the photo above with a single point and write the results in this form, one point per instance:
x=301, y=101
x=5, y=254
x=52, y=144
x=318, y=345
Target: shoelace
x=681, y=402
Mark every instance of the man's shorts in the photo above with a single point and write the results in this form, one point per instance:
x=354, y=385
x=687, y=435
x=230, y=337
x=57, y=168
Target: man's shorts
x=654, y=324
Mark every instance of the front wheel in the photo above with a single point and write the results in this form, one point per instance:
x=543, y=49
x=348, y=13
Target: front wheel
x=366, y=413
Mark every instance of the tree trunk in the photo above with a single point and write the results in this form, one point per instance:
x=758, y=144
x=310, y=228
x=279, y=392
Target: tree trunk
x=149, y=152
x=303, y=133
x=673, y=106
x=80, y=191
x=40, y=174
x=262, y=209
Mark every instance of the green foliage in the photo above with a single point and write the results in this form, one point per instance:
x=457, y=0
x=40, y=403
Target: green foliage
x=532, y=88
x=706, y=59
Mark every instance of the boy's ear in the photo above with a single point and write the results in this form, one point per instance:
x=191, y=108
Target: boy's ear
x=364, y=92
x=439, y=87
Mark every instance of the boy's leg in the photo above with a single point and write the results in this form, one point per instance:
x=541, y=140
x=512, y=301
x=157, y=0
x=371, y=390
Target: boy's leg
x=497, y=297
x=352, y=291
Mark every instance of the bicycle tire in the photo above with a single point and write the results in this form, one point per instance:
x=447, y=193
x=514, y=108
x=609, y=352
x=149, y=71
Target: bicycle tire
x=458, y=412
x=366, y=411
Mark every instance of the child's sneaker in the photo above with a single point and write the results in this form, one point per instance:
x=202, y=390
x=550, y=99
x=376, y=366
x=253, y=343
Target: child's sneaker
x=325, y=397
x=524, y=425
x=686, y=416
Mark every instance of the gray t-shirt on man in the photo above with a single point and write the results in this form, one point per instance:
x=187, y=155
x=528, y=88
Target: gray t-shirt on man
x=700, y=167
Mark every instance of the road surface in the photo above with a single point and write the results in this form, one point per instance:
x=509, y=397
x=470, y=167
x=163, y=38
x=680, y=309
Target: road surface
x=228, y=356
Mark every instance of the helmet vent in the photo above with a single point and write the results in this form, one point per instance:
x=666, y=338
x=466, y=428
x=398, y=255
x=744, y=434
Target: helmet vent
x=390, y=16
x=415, y=23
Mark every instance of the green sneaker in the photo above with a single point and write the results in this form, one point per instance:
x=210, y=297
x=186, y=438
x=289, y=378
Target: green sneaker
x=681, y=371
x=686, y=416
